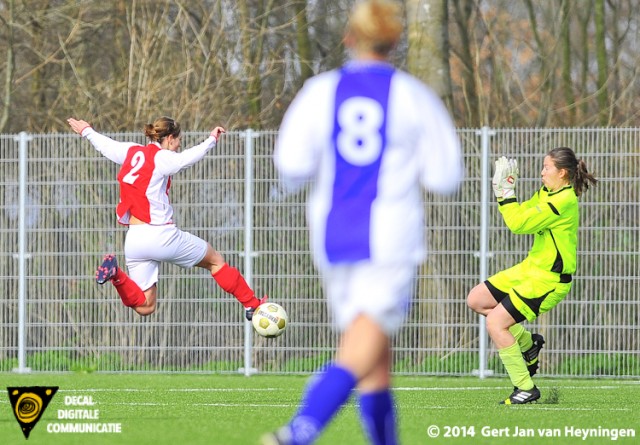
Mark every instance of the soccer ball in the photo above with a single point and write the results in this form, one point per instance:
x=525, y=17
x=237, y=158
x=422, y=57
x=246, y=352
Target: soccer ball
x=270, y=320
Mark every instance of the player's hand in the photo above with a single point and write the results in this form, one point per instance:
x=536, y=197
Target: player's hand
x=499, y=176
x=509, y=184
x=78, y=125
x=216, y=132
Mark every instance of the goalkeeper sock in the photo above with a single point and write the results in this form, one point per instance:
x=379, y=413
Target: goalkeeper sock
x=522, y=336
x=130, y=293
x=378, y=417
x=513, y=361
x=230, y=280
x=323, y=398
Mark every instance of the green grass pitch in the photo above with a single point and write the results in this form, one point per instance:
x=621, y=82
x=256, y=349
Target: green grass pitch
x=180, y=409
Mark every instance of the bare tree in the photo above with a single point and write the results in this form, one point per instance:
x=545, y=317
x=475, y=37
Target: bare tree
x=10, y=67
x=239, y=63
x=303, y=40
x=463, y=13
x=428, y=44
x=601, y=57
x=546, y=49
x=567, y=82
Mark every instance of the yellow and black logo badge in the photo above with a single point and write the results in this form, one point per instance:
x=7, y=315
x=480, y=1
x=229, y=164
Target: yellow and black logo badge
x=28, y=404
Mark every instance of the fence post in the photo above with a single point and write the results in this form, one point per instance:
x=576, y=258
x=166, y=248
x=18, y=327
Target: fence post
x=248, y=244
x=23, y=138
x=485, y=134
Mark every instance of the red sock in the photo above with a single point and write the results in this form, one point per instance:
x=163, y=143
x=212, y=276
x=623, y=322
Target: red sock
x=229, y=279
x=130, y=293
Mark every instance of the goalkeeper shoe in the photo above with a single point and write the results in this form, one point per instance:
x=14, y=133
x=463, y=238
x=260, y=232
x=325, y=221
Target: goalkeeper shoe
x=280, y=437
x=520, y=396
x=107, y=270
x=531, y=354
x=248, y=312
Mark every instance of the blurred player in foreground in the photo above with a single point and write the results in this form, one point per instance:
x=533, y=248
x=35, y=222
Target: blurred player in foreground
x=543, y=279
x=145, y=178
x=368, y=136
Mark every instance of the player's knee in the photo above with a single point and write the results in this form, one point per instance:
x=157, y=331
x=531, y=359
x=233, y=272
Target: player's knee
x=147, y=309
x=217, y=259
x=495, y=324
x=480, y=300
x=213, y=260
x=473, y=300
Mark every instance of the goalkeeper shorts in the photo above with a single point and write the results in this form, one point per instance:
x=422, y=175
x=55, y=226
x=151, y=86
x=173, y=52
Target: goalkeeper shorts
x=526, y=291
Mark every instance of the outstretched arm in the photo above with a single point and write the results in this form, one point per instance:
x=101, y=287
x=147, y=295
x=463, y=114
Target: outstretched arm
x=171, y=162
x=111, y=149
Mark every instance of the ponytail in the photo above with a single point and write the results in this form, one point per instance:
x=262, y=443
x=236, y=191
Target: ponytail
x=583, y=178
x=579, y=176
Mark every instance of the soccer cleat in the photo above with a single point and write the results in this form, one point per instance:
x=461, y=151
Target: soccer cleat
x=280, y=437
x=248, y=312
x=531, y=354
x=107, y=270
x=520, y=396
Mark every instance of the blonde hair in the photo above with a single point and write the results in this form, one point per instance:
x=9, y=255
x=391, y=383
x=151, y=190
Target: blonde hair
x=376, y=25
x=161, y=128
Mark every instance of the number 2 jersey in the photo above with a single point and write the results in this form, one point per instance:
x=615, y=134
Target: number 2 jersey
x=145, y=175
x=368, y=136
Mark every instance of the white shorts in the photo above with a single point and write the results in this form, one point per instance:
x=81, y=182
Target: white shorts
x=146, y=246
x=381, y=292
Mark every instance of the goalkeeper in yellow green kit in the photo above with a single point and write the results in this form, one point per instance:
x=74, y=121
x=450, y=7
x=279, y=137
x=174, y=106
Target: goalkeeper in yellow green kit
x=543, y=279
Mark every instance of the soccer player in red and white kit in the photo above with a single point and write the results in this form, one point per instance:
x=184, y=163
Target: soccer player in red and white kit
x=145, y=179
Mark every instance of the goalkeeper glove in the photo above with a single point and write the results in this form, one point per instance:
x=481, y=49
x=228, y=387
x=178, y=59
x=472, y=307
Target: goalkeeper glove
x=509, y=184
x=499, y=176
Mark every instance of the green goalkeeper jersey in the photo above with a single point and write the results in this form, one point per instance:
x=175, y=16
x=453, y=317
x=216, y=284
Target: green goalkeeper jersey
x=552, y=217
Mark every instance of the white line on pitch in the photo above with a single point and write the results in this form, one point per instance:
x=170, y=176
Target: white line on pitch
x=412, y=406
x=491, y=388
x=400, y=388
x=172, y=389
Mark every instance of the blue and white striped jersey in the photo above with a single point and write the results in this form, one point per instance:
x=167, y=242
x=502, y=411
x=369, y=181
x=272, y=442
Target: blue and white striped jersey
x=368, y=136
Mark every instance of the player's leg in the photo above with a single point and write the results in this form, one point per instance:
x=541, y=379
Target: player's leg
x=499, y=320
x=554, y=288
x=363, y=344
x=149, y=305
x=187, y=250
x=530, y=346
x=230, y=280
x=363, y=354
x=377, y=410
x=481, y=300
x=129, y=292
x=486, y=296
x=138, y=290
x=143, y=274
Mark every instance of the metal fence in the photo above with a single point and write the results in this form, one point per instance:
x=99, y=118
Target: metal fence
x=57, y=222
